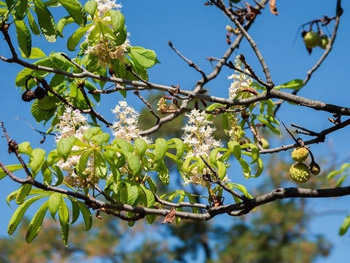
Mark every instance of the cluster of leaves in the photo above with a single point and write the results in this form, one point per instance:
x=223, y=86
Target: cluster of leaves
x=117, y=171
x=63, y=89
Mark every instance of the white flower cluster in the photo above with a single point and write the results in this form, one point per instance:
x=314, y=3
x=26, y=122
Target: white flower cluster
x=240, y=80
x=105, y=52
x=73, y=123
x=102, y=48
x=104, y=6
x=126, y=124
x=198, y=134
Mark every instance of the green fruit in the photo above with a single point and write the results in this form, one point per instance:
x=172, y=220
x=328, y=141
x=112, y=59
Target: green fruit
x=312, y=39
x=324, y=42
x=265, y=143
x=314, y=168
x=299, y=172
x=300, y=154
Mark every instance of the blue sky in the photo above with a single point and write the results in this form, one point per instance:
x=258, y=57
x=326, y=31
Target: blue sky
x=199, y=32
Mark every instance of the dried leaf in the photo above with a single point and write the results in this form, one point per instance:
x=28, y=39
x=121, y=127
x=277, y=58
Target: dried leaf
x=252, y=12
x=216, y=200
x=169, y=218
x=273, y=7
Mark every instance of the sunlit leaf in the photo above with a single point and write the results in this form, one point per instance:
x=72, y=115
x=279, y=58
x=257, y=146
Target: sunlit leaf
x=117, y=20
x=36, y=222
x=19, y=213
x=86, y=215
x=75, y=38
x=133, y=163
x=23, y=193
x=75, y=9
x=140, y=146
x=21, y=9
x=145, y=57
x=11, y=168
x=46, y=21
x=221, y=171
x=148, y=195
x=63, y=214
x=235, y=148
x=160, y=149
x=33, y=25
x=294, y=84
x=90, y=7
x=344, y=226
x=64, y=146
x=24, y=37
x=54, y=203
x=36, y=160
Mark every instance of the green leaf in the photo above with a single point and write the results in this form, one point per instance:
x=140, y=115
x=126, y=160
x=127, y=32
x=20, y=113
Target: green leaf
x=295, y=84
x=62, y=23
x=47, y=173
x=75, y=9
x=75, y=210
x=241, y=188
x=54, y=203
x=33, y=25
x=24, y=37
x=75, y=38
x=11, y=168
x=214, y=154
x=64, y=146
x=235, y=148
x=179, y=145
x=140, y=146
x=10, y=3
x=23, y=193
x=36, y=222
x=133, y=163
x=46, y=21
x=255, y=154
x=132, y=193
x=214, y=106
x=124, y=145
x=35, y=53
x=86, y=215
x=344, y=226
x=268, y=124
x=245, y=168
x=96, y=135
x=100, y=164
x=163, y=173
x=221, y=171
x=90, y=7
x=161, y=146
x=144, y=57
x=36, y=160
x=149, y=196
x=21, y=9
x=150, y=219
x=117, y=20
x=63, y=214
x=19, y=213
x=82, y=164
x=260, y=169
x=41, y=114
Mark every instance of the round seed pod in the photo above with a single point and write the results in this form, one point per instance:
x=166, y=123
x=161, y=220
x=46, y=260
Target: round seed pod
x=300, y=154
x=40, y=93
x=314, y=168
x=299, y=172
x=28, y=95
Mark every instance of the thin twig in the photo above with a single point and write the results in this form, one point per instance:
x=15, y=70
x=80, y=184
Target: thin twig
x=189, y=62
